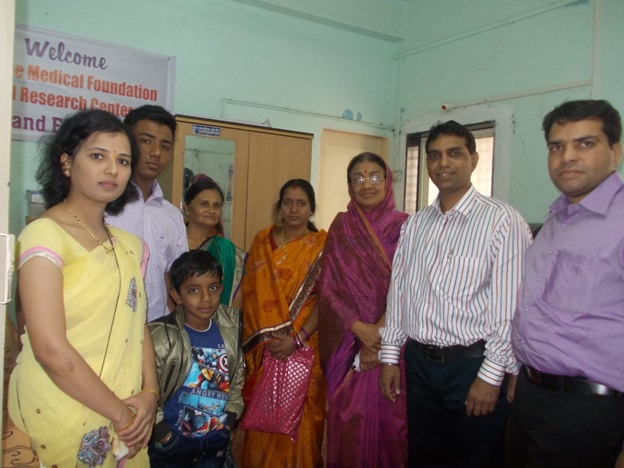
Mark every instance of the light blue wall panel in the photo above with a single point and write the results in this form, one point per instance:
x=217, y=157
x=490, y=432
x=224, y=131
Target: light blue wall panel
x=300, y=75
x=513, y=55
x=242, y=63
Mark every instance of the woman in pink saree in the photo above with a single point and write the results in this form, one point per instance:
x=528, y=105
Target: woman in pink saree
x=363, y=428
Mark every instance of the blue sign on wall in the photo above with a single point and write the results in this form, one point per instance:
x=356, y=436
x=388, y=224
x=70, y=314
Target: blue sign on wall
x=206, y=130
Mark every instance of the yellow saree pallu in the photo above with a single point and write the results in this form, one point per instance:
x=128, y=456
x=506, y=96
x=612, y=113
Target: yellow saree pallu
x=105, y=308
x=271, y=281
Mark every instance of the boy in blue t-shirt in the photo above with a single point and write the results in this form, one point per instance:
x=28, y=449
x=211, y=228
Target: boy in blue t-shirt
x=200, y=368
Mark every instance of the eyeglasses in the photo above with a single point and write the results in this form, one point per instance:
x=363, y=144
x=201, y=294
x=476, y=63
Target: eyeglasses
x=374, y=179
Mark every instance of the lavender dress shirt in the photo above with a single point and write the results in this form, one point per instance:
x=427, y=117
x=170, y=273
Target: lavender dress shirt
x=570, y=315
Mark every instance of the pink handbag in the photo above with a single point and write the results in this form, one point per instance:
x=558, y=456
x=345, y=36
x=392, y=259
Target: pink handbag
x=277, y=401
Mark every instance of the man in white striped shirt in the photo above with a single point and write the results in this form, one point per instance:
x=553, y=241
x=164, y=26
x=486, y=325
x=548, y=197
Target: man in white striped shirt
x=455, y=277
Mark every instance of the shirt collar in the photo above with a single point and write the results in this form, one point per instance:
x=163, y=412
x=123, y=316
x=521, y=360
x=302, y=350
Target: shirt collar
x=463, y=206
x=157, y=194
x=597, y=201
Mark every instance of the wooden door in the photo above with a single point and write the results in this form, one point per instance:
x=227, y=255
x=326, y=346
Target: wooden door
x=264, y=159
x=273, y=160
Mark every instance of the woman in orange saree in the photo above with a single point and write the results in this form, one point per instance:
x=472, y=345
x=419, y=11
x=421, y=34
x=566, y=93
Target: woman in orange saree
x=281, y=263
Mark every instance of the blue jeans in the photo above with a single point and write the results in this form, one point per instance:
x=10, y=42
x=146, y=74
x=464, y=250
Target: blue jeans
x=180, y=451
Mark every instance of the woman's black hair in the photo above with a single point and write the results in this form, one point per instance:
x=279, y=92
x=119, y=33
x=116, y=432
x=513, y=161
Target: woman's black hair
x=307, y=188
x=198, y=187
x=67, y=140
x=366, y=156
x=203, y=183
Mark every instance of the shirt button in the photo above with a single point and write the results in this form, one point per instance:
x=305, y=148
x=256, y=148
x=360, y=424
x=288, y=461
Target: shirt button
x=38, y=411
x=539, y=279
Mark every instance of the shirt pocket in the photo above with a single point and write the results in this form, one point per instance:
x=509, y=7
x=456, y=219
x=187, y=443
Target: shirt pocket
x=460, y=278
x=571, y=282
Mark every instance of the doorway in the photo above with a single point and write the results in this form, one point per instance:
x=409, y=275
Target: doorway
x=337, y=149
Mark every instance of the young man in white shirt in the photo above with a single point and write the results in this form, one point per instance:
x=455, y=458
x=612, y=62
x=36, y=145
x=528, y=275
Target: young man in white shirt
x=151, y=217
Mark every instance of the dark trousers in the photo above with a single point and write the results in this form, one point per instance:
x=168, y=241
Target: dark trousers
x=440, y=433
x=185, y=452
x=554, y=429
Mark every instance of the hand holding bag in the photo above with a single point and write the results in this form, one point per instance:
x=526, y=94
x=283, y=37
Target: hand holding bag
x=279, y=396
x=277, y=400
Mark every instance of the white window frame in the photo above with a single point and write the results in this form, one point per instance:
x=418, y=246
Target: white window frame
x=500, y=114
x=420, y=192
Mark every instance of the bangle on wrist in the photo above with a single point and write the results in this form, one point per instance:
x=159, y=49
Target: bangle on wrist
x=152, y=390
x=132, y=416
x=298, y=341
x=307, y=337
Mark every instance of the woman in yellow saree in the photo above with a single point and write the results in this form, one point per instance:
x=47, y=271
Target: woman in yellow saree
x=86, y=377
x=281, y=263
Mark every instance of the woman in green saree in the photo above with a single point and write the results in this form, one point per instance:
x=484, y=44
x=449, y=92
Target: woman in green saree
x=203, y=204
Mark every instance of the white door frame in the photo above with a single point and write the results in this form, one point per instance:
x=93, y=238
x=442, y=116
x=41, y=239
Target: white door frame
x=7, y=31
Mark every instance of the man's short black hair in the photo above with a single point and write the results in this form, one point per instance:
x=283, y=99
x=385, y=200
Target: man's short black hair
x=153, y=113
x=574, y=111
x=452, y=128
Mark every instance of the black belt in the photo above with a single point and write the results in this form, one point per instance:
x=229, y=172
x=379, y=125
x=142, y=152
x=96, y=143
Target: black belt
x=562, y=383
x=439, y=354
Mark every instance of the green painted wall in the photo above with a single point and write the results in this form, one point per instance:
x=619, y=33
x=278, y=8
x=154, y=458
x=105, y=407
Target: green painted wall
x=523, y=52
x=229, y=50
x=518, y=58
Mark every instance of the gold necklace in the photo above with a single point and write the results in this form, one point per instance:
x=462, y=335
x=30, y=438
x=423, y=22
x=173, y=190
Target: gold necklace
x=283, y=239
x=108, y=234
x=283, y=246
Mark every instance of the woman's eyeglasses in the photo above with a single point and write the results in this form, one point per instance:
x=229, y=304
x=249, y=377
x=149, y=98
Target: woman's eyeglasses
x=374, y=179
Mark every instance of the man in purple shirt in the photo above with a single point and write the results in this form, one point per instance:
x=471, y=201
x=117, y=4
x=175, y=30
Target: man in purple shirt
x=568, y=330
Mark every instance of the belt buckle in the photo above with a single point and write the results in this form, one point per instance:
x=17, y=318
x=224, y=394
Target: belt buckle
x=435, y=354
x=598, y=389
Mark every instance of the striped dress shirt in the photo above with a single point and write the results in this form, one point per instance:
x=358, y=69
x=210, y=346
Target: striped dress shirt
x=455, y=279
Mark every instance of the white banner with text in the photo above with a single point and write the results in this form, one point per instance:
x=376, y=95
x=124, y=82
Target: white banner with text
x=56, y=74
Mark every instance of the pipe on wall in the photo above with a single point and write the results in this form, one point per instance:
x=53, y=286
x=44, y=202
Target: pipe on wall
x=233, y=102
